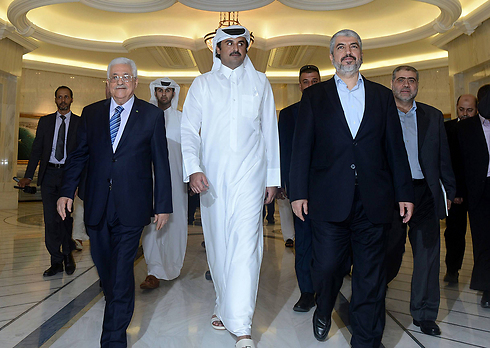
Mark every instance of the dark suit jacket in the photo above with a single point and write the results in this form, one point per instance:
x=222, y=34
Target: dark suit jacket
x=325, y=156
x=475, y=157
x=43, y=143
x=287, y=121
x=142, y=145
x=456, y=160
x=434, y=156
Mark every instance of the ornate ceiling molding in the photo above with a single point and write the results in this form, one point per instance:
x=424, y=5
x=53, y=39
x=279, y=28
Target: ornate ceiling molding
x=129, y=6
x=324, y=5
x=226, y=5
x=450, y=12
x=8, y=31
x=162, y=40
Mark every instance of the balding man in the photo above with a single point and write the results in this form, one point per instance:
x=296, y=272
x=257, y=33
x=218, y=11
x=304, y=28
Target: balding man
x=455, y=233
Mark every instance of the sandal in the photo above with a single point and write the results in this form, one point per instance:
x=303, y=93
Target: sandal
x=215, y=321
x=245, y=343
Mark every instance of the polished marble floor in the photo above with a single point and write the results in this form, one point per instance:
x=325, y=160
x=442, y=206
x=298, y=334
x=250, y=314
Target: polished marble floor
x=66, y=311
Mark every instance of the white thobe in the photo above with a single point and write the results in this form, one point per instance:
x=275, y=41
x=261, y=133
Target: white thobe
x=229, y=132
x=164, y=250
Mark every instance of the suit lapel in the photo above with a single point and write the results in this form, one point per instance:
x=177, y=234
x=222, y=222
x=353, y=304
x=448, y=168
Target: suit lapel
x=133, y=116
x=337, y=110
x=368, y=105
x=72, y=137
x=52, y=126
x=422, y=126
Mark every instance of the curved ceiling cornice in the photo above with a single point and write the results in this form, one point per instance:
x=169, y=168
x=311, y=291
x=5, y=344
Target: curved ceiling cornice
x=324, y=5
x=129, y=6
x=450, y=12
x=226, y=5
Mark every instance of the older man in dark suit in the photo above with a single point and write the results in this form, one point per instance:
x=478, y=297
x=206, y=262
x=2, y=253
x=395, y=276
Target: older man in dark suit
x=55, y=139
x=120, y=139
x=434, y=184
x=348, y=168
x=474, y=142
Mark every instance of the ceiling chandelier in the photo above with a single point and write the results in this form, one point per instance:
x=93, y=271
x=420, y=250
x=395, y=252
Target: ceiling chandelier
x=225, y=20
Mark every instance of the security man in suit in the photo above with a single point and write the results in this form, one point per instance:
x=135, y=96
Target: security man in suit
x=120, y=140
x=308, y=75
x=456, y=221
x=55, y=139
x=474, y=143
x=434, y=186
x=348, y=168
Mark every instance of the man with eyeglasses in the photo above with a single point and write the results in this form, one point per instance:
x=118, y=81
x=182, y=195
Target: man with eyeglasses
x=348, y=170
x=121, y=140
x=308, y=75
x=434, y=185
x=230, y=148
x=55, y=138
x=164, y=250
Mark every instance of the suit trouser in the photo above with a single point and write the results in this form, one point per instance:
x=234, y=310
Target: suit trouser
x=480, y=234
x=302, y=258
x=57, y=232
x=113, y=247
x=424, y=235
x=332, y=243
x=455, y=236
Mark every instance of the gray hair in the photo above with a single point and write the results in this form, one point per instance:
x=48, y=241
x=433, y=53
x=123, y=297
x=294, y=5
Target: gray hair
x=345, y=32
x=123, y=60
x=404, y=67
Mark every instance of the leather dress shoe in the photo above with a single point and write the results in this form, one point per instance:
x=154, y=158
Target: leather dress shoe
x=305, y=302
x=151, y=282
x=485, y=299
x=428, y=327
x=54, y=269
x=70, y=265
x=321, y=326
x=451, y=277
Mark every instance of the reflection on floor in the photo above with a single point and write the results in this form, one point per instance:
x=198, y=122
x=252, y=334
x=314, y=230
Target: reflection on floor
x=66, y=311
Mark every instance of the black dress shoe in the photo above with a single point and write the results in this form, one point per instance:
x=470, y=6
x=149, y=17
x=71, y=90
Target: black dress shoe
x=305, y=302
x=428, y=327
x=321, y=326
x=69, y=264
x=485, y=299
x=451, y=277
x=54, y=269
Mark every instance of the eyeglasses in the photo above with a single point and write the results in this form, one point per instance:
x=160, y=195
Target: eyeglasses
x=125, y=78
x=410, y=80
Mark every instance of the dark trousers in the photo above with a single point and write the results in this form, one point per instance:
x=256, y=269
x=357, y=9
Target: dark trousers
x=113, y=248
x=455, y=236
x=57, y=232
x=424, y=235
x=302, y=257
x=480, y=234
x=332, y=244
x=271, y=208
x=193, y=204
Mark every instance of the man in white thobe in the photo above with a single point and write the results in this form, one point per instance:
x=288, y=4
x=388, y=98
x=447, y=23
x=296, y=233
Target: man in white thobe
x=230, y=148
x=164, y=250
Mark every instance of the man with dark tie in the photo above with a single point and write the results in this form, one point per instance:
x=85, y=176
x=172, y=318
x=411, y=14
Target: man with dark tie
x=474, y=142
x=308, y=75
x=456, y=221
x=120, y=140
x=348, y=170
x=55, y=139
x=434, y=185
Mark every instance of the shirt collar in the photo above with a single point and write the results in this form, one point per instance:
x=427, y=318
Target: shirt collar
x=126, y=106
x=410, y=112
x=339, y=81
x=67, y=115
x=483, y=119
x=227, y=71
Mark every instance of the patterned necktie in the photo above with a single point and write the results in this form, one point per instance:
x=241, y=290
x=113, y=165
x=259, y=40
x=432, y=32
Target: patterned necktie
x=60, y=142
x=115, y=122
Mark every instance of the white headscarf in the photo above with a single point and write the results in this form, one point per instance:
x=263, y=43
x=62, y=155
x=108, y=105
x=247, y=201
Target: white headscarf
x=165, y=83
x=223, y=34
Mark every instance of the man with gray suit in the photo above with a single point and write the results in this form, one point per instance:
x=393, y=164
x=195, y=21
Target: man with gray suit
x=434, y=185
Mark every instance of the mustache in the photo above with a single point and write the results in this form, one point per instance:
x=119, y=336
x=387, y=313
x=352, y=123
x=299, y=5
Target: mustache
x=121, y=87
x=235, y=53
x=348, y=56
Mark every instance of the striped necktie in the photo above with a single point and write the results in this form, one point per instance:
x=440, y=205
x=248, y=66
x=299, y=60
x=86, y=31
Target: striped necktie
x=115, y=122
x=60, y=142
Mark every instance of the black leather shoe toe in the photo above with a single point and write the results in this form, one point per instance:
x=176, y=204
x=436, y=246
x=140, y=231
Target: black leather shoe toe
x=485, y=299
x=54, y=269
x=428, y=327
x=69, y=264
x=321, y=326
x=305, y=302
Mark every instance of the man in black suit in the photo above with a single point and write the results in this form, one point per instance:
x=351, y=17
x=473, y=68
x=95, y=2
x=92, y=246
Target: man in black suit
x=435, y=187
x=455, y=234
x=55, y=139
x=308, y=75
x=120, y=139
x=474, y=143
x=348, y=168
